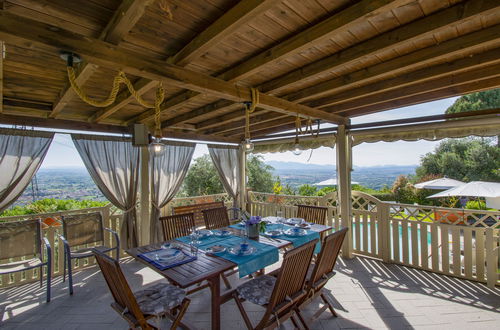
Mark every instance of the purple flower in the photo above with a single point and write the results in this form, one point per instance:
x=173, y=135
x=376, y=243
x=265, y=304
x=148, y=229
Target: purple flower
x=254, y=219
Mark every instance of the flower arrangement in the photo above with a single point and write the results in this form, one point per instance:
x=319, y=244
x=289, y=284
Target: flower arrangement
x=254, y=225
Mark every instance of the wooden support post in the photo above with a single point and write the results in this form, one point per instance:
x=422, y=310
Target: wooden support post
x=344, y=186
x=1, y=74
x=243, y=175
x=144, y=220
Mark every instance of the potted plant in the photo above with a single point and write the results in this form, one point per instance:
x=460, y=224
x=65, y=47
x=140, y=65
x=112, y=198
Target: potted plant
x=254, y=225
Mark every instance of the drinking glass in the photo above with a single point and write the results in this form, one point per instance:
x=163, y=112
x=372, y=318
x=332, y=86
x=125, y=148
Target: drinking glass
x=194, y=236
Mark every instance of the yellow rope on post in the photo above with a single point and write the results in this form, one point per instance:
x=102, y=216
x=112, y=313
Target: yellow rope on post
x=249, y=108
x=119, y=79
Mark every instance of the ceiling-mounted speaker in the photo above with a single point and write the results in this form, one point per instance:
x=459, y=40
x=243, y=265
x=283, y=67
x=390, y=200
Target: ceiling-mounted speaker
x=140, y=135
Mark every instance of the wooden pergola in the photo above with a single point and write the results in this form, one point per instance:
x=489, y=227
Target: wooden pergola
x=320, y=60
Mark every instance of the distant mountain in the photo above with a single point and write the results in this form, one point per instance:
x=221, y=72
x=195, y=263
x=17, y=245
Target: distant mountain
x=279, y=166
x=375, y=177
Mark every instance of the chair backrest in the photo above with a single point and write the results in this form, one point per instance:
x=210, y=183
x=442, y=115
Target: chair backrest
x=178, y=225
x=20, y=239
x=314, y=214
x=216, y=218
x=118, y=285
x=327, y=258
x=197, y=209
x=83, y=228
x=292, y=276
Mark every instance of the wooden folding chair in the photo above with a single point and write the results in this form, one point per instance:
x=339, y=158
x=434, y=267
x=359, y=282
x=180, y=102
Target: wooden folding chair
x=216, y=218
x=279, y=295
x=321, y=272
x=139, y=307
x=178, y=225
x=314, y=214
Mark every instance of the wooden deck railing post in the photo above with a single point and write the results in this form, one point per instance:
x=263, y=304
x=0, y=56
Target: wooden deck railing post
x=384, y=228
x=344, y=186
x=491, y=258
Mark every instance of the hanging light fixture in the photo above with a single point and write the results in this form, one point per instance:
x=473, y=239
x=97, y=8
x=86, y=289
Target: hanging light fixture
x=249, y=108
x=296, y=147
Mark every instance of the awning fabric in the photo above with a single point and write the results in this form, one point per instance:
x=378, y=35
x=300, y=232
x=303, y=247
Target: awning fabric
x=288, y=145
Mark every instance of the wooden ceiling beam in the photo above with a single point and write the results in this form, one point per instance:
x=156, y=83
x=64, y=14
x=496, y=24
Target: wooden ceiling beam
x=235, y=17
x=466, y=88
x=355, y=97
x=200, y=112
x=466, y=45
x=123, y=20
x=336, y=23
x=1, y=75
x=406, y=33
x=179, y=134
x=417, y=88
x=17, y=30
x=239, y=126
x=428, y=25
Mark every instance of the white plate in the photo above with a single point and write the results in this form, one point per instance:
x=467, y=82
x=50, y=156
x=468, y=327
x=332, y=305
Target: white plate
x=216, y=249
x=167, y=255
x=295, y=233
x=236, y=250
x=294, y=221
x=274, y=233
x=222, y=233
x=204, y=233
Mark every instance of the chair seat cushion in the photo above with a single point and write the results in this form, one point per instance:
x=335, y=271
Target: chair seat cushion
x=87, y=252
x=17, y=266
x=258, y=290
x=159, y=298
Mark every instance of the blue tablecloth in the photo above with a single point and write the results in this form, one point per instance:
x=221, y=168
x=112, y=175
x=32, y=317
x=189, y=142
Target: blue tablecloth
x=264, y=256
x=297, y=240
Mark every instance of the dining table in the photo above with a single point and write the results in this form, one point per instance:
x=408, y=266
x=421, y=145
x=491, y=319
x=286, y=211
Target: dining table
x=210, y=266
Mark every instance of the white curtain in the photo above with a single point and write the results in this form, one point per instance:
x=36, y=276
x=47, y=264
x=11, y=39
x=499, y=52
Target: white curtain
x=113, y=164
x=167, y=171
x=21, y=154
x=226, y=161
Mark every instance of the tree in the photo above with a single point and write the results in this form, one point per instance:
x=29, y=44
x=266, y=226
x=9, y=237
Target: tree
x=260, y=175
x=203, y=179
x=465, y=159
x=307, y=190
x=476, y=101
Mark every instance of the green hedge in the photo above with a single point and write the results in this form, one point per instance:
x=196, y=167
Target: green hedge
x=49, y=205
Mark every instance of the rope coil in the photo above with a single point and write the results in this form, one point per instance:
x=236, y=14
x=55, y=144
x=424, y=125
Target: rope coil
x=250, y=108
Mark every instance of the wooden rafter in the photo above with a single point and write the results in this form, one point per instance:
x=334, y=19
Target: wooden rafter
x=452, y=73
x=424, y=96
x=238, y=15
x=298, y=42
x=391, y=39
x=17, y=30
x=1, y=76
x=124, y=19
x=221, y=28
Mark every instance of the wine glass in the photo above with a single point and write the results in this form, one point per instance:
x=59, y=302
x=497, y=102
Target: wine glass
x=194, y=235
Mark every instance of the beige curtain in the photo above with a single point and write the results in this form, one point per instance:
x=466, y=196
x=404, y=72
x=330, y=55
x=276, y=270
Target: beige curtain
x=226, y=161
x=167, y=171
x=113, y=164
x=305, y=143
x=21, y=154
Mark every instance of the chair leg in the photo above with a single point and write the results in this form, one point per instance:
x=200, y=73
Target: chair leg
x=41, y=275
x=328, y=303
x=294, y=321
x=49, y=279
x=301, y=319
x=181, y=313
x=64, y=268
x=242, y=311
x=70, y=276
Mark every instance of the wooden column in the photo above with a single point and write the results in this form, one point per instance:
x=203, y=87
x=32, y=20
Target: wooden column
x=143, y=221
x=1, y=75
x=344, y=154
x=243, y=182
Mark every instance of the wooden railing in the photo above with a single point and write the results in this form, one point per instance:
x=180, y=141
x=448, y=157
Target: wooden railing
x=455, y=242
x=111, y=219
x=181, y=201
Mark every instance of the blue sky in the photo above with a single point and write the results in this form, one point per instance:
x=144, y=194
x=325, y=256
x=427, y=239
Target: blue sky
x=62, y=152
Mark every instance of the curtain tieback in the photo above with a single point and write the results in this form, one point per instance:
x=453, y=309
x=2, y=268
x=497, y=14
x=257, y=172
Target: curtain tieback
x=130, y=209
x=155, y=206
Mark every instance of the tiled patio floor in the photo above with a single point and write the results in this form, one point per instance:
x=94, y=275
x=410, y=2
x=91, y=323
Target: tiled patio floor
x=367, y=294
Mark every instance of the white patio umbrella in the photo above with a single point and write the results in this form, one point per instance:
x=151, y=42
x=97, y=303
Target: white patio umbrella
x=489, y=190
x=439, y=184
x=330, y=182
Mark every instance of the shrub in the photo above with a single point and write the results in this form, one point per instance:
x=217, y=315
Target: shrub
x=49, y=205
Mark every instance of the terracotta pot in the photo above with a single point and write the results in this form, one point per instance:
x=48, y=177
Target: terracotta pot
x=448, y=217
